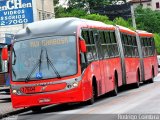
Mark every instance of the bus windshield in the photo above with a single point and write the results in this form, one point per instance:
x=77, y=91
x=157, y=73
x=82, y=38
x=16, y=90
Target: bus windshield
x=44, y=58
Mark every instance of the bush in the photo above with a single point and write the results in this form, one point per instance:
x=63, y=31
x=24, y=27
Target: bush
x=157, y=42
x=122, y=22
x=98, y=17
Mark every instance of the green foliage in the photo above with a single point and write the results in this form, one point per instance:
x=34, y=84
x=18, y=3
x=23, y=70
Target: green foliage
x=148, y=20
x=76, y=4
x=59, y=11
x=157, y=42
x=56, y=2
x=84, y=4
x=70, y=13
x=122, y=22
x=90, y=4
x=81, y=14
x=98, y=17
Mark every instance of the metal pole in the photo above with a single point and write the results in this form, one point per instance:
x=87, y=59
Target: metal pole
x=43, y=9
x=133, y=17
x=140, y=2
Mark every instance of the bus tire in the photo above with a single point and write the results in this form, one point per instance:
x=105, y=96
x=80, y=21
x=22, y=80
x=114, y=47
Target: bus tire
x=94, y=93
x=115, y=91
x=152, y=79
x=137, y=84
x=36, y=109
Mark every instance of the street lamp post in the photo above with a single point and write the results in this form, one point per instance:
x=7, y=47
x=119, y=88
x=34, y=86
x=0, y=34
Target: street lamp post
x=42, y=1
x=140, y=2
x=133, y=17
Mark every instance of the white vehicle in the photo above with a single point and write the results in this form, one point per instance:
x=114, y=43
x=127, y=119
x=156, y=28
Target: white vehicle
x=119, y=2
x=158, y=57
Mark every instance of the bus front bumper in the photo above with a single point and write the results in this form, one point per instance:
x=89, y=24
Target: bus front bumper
x=42, y=99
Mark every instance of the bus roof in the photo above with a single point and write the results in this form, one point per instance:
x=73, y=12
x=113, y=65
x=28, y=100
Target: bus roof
x=126, y=30
x=143, y=33
x=59, y=26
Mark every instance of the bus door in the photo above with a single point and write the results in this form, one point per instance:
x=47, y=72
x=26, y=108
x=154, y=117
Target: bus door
x=102, y=83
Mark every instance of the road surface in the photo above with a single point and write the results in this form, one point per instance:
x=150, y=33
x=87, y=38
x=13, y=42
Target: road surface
x=144, y=101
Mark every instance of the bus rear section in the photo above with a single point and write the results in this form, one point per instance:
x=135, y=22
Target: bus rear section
x=51, y=66
x=130, y=60
x=149, y=56
x=102, y=59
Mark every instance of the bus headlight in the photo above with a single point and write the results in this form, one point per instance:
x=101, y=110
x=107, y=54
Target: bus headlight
x=75, y=84
x=14, y=91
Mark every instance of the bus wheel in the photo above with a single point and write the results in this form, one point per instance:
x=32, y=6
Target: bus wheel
x=152, y=79
x=94, y=94
x=137, y=84
x=36, y=109
x=115, y=91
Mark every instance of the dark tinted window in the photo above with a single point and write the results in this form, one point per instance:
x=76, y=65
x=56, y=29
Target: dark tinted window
x=129, y=45
x=148, y=47
x=88, y=36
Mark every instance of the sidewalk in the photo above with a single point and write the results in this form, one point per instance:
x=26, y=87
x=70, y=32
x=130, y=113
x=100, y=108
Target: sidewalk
x=5, y=104
x=6, y=107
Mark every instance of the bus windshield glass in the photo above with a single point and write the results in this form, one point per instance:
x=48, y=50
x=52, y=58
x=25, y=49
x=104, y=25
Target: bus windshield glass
x=44, y=58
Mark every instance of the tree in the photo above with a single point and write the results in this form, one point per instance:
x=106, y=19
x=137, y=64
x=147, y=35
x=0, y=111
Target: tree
x=148, y=20
x=98, y=17
x=122, y=22
x=55, y=2
x=157, y=42
x=63, y=12
x=87, y=4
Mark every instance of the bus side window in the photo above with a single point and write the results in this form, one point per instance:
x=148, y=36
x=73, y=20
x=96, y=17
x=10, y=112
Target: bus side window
x=146, y=46
x=149, y=46
x=93, y=47
x=114, y=44
x=129, y=45
x=103, y=44
x=123, y=42
x=107, y=40
x=91, y=54
x=153, y=46
x=85, y=35
x=111, y=49
x=125, y=45
x=143, y=47
x=136, y=54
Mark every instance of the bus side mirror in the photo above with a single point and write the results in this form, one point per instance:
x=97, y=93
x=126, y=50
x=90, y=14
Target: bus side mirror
x=83, y=47
x=4, y=53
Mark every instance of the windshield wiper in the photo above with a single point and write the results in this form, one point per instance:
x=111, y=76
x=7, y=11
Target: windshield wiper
x=49, y=62
x=38, y=64
x=14, y=62
x=14, y=73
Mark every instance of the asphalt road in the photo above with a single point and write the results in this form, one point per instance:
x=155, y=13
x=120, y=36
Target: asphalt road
x=126, y=105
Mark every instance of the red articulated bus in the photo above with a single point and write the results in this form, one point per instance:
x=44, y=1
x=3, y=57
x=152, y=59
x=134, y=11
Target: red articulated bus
x=129, y=55
x=71, y=60
x=148, y=55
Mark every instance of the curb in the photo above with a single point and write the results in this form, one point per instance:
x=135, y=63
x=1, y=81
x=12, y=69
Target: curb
x=14, y=113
